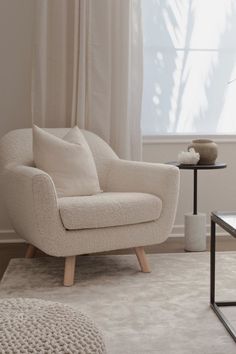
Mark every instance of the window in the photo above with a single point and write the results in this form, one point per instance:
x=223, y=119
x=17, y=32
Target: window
x=189, y=67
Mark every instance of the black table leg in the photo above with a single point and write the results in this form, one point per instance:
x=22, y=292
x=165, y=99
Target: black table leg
x=195, y=192
x=212, y=267
x=215, y=305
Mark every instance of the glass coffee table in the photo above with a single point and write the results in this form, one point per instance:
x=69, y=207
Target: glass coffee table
x=226, y=220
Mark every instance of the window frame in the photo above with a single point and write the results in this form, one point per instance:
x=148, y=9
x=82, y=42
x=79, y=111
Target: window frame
x=186, y=138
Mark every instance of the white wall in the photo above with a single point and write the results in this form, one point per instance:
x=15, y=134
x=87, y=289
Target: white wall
x=217, y=189
x=16, y=28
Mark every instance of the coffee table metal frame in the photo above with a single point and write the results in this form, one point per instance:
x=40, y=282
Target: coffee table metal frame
x=216, y=218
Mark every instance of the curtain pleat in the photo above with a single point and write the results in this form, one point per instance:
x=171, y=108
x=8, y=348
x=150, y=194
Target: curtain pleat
x=87, y=69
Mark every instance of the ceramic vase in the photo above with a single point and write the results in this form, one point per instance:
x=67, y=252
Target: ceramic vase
x=207, y=149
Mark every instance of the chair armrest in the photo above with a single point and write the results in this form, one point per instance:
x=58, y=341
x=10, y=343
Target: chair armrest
x=31, y=202
x=145, y=177
x=153, y=178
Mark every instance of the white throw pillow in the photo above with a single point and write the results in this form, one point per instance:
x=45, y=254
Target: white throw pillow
x=69, y=161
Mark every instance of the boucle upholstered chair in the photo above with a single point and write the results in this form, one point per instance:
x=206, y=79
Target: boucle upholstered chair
x=137, y=206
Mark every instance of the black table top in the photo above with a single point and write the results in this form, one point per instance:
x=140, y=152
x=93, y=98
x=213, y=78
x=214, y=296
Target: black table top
x=217, y=165
x=226, y=219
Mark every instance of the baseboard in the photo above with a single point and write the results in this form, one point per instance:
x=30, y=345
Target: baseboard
x=178, y=231
x=9, y=236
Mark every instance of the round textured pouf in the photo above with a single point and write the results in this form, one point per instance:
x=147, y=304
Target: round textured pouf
x=36, y=326
x=195, y=232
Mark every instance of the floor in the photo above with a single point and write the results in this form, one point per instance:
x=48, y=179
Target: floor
x=163, y=312
x=172, y=245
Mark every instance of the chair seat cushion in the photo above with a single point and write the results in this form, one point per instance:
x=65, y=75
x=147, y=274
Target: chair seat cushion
x=108, y=209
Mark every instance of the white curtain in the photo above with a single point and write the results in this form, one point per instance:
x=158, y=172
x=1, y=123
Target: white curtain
x=87, y=69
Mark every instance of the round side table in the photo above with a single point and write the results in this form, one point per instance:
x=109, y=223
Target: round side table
x=195, y=223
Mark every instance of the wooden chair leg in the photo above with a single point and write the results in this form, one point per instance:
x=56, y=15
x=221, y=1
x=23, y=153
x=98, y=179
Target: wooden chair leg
x=140, y=253
x=69, y=272
x=30, y=252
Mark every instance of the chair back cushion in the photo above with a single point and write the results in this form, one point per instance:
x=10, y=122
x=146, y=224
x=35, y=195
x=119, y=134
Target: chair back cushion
x=69, y=161
x=16, y=148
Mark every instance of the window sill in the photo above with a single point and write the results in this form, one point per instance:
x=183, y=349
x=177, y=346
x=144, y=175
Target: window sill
x=187, y=138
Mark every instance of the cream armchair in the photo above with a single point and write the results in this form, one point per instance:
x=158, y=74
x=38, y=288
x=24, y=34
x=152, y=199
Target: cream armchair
x=137, y=206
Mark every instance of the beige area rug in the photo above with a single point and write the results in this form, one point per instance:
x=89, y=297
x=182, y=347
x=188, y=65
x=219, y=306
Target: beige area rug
x=166, y=311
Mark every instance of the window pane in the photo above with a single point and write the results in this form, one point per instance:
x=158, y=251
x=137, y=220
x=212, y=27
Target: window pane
x=189, y=60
